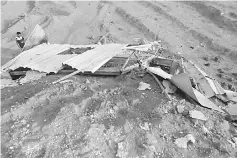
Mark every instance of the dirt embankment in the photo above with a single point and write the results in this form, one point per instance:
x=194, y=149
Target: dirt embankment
x=105, y=117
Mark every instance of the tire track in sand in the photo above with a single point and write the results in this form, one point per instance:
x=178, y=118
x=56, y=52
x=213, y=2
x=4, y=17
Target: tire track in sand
x=136, y=23
x=222, y=50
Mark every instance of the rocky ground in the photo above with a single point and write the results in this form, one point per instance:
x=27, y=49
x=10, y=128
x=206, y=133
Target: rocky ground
x=106, y=117
x=109, y=117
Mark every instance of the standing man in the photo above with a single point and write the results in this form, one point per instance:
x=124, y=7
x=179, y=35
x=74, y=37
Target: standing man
x=20, y=41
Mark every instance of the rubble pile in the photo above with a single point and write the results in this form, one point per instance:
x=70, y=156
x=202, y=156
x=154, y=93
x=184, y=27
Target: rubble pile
x=127, y=129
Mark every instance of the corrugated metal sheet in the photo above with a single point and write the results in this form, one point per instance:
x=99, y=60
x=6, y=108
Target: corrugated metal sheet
x=26, y=56
x=93, y=59
x=42, y=58
x=51, y=64
x=45, y=58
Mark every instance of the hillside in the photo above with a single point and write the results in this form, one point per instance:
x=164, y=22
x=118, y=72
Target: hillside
x=110, y=117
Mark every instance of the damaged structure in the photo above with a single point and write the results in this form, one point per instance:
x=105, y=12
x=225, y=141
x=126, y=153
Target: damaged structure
x=96, y=60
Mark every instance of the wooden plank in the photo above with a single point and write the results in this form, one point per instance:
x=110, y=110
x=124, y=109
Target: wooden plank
x=126, y=62
x=102, y=71
x=103, y=37
x=126, y=55
x=67, y=76
x=98, y=72
x=17, y=73
x=129, y=68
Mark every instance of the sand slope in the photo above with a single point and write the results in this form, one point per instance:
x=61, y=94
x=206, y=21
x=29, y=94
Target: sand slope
x=109, y=117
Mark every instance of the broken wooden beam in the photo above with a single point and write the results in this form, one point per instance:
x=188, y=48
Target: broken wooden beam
x=126, y=62
x=98, y=72
x=103, y=37
x=130, y=68
x=102, y=71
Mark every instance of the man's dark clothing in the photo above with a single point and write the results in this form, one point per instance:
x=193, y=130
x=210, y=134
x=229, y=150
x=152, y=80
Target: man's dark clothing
x=20, y=41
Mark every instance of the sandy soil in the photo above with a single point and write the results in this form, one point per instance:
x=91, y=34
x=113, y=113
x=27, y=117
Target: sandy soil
x=107, y=117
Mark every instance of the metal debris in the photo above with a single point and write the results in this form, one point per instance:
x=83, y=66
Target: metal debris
x=169, y=88
x=225, y=125
x=31, y=76
x=183, y=142
x=180, y=109
x=232, y=110
x=145, y=126
x=205, y=130
x=197, y=115
x=8, y=83
x=234, y=140
x=233, y=144
x=143, y=86
x=87, y=81
x=65, y=81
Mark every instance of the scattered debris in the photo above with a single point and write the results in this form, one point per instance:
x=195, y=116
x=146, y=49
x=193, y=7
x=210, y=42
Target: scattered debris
x=6, y=80
x=220, y=70
x=205, y=130
x=143, y=86
x=225, y=125
x=129, y=68
x=8, y=83
x=231, y=87
x=65, y=81
x=217, y=59
x=197, y=115
x=31, y=76
x=207, y=64
x=182, y=74
x=5, y=75
x=126, y=62
x=234, y=140
x=169, y=88
x=163, y=90
x=183, y=82
x=219, y=75
x=232, y=143
x=180, y=109
x=122, y=150
x=87, y=81
x=183, y=142
x=177, y=74
x=207, y=85
x=234, y=74
x=232, y=110
x=145, y=126
x=230, y=79
x=206, y=58
x=141, y=41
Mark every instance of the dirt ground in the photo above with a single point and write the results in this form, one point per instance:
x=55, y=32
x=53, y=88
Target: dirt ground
x=109, y=116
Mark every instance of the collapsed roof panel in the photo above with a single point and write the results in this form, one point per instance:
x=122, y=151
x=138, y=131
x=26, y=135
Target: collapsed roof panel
x=92, y=60
x=43, y=58
x=26, y=56
x=206, y=84
x=50, y=64
x=35, y=56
